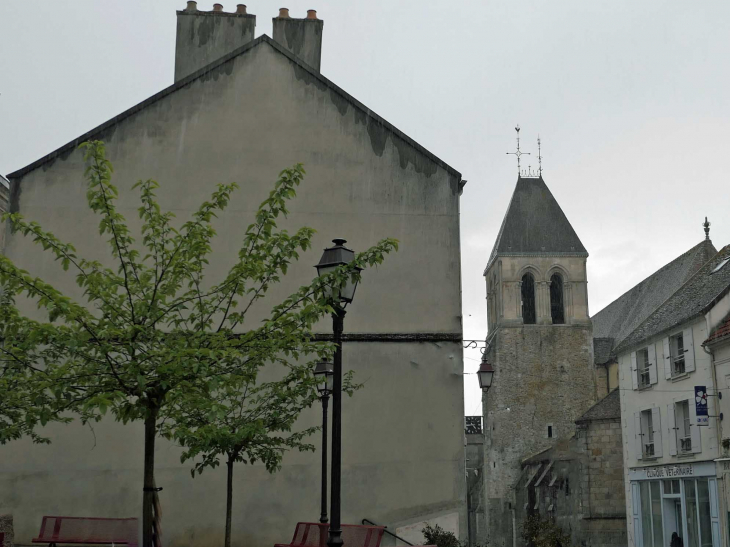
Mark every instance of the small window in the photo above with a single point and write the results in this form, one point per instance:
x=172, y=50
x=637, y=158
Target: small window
x=550, y=432
x=676, y=348
x=647, y=434
x=642, y=367
x=528, y=299
x=557, y=310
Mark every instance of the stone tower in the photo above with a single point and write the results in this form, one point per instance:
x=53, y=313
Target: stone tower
x=540, y=343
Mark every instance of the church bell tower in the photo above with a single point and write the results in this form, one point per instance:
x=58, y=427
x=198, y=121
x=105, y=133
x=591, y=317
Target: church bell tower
x=539, y=343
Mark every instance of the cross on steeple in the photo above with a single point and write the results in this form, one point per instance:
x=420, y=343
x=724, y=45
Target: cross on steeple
x=518, y=153
x=539, y=156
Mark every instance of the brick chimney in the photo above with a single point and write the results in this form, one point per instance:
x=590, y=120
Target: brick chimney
x=303, y=37
x=204, y=36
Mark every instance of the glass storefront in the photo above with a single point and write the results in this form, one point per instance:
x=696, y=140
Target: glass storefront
x=675, y=512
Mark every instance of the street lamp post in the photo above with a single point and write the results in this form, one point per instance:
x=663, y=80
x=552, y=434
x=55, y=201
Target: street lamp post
x=323, y=372
x=332, y=258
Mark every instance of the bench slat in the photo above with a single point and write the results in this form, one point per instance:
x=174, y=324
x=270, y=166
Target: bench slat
x=88, y=530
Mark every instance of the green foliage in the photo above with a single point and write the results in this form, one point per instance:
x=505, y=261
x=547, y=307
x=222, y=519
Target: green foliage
x=435, y=535
x=153, y=335
x=539, y=532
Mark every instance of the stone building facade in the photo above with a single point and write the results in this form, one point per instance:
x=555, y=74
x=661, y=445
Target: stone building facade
x=540, y=343
x=579, y=481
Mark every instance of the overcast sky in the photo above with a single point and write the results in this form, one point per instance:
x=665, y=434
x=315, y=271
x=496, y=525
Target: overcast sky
x=631, y=100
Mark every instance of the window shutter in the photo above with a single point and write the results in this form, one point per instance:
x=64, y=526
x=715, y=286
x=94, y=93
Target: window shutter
x=694, y=429
x=667, y=359
x=652, y=364
x=637, y=431
x=635, y=505
x=634, y=372
x=714, y=513
x=672, y=422
x=689, y=346
x=656, y=424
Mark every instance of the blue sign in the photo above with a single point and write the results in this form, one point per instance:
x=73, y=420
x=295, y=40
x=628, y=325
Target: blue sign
x=701, y=405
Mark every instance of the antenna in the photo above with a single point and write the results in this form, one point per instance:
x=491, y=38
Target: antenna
x=539, y=156
x=518, y=153
x=707, y=229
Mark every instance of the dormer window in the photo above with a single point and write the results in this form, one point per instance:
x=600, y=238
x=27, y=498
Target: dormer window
x=557, y=310
x=528, y=299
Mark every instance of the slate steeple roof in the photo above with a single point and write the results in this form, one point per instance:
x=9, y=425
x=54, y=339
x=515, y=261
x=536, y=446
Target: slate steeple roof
x=535, y=224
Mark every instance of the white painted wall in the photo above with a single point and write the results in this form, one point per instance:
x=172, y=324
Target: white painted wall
x=661, y=394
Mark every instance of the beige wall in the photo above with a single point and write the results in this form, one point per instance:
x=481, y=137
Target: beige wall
x=403, y=454
x=504, y=277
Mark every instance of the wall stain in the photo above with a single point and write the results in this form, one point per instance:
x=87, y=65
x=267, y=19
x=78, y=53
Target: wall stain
x=215, y=73
x=377, y=132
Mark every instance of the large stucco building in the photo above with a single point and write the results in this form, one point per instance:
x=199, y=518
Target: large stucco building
x=241, y=109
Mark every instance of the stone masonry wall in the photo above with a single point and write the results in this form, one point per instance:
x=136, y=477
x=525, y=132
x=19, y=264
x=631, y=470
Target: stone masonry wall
x=605, y=477
x=579, y=485
x=544, y=376
x=6, y=530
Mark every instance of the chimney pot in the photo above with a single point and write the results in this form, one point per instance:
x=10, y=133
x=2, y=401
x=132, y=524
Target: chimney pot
x=241, y=9
x=192, y=6
x=311, y=14
x=284, y=12
x=218, y=8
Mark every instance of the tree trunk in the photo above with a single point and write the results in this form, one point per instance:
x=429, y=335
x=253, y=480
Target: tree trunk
x=229, y=500
x=150, y=430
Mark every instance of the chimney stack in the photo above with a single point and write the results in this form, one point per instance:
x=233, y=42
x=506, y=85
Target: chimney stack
x=303, y=37
x=205, y=36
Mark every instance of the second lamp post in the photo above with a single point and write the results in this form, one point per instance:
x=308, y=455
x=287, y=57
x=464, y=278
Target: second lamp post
x=332, y=258
x=323, y=372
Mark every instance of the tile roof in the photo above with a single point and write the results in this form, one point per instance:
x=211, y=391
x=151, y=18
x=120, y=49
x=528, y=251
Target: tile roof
x=721, y=332
x=535, y=223
x=692, y=299
x=622, y=316
x=608, y=408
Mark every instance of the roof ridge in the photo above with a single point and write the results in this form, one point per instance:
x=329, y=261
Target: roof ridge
x=208, y=68
x=721, y=253
x=650, y=276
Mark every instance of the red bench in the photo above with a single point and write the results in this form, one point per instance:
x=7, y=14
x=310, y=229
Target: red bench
x=314, y=534
x=89, y=531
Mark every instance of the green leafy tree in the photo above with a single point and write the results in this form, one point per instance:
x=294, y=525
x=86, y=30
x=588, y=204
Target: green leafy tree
x=246, y=420
x=154, y=328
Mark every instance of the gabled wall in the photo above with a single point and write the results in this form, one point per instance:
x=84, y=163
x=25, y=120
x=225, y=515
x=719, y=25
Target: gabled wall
x=243, y=121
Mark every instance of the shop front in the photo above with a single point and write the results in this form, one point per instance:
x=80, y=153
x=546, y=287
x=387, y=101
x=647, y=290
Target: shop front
x=675, y=505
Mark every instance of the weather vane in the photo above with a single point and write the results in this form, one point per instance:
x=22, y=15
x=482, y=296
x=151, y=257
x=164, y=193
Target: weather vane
x=707, y=229
x=518, y=153
x=539, y=156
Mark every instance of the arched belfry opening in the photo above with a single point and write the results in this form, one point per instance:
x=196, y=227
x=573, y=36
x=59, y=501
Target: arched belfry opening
x=557, y=308
x=528, y=299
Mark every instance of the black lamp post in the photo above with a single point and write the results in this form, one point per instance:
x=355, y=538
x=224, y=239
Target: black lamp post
x=323, y=372
x=332, y=258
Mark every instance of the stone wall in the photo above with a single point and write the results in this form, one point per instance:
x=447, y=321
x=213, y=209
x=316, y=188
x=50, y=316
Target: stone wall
x=6, y=530
x=604, y=478
x=477, y=525
x=543, y=377
x=578, y=484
